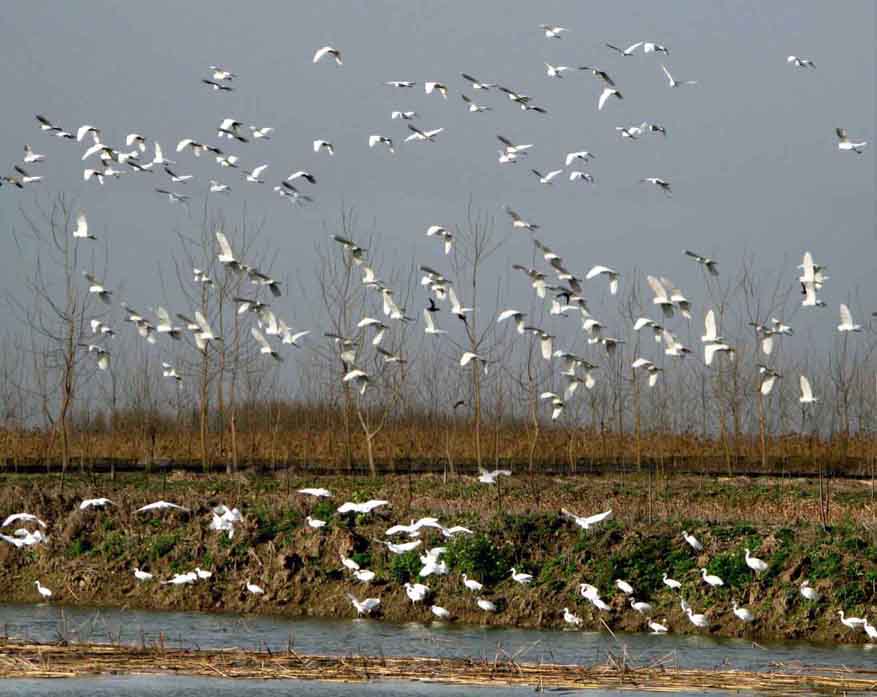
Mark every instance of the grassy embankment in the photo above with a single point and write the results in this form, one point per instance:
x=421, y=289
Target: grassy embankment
x=89, y=558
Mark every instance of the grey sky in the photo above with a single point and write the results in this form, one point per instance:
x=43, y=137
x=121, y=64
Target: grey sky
x=750, y=153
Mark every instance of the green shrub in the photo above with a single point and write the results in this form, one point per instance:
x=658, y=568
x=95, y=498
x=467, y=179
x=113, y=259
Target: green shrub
x=731, y=568
x=405, y=567
x=77, y=548
x=479, y=557
x=161, y=545
x=114, y=545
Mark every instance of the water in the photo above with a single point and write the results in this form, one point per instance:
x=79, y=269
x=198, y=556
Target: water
x=199, y=687
x=341, y=637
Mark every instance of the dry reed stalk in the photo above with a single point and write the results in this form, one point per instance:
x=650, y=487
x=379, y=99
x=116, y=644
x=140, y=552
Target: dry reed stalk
x=21, y=660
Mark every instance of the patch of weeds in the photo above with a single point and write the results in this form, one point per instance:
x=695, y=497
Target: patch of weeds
x=825, y=565
x=324, y=510
x=77, y=548
x=405, y=567
x=364, y=559
x=114, y=545
x=731, y=568
x=556, y=572
x=161, y=545
x=479, y=557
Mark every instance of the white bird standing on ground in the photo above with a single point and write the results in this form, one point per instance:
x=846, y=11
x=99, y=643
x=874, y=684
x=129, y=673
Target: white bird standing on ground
x=485, y=605
x=676, y=83
x=806, y=392
x=671, y=583
x=416, y=592
x=658, y=628
x=711, y=579
x=844, y=142
x=641, y=607
x=315, y=523
x=440, y=612
x=853, y=623
x=328, y=51
x=846, y=321
x=181, y=579
x=698, y=620
x=142, y=575
x=571, y=618
x=42, y=590
x=693, y=542
x=624, y=586
x=366, y=606
x=521, y=577
x=742, y=613
x=472, y=584
x=809, y=592
x=253, y=589
x=754, y=563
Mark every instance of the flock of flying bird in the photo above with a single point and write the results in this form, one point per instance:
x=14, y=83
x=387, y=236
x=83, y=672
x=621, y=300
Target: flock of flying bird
x=224, y=519
x=567, y=295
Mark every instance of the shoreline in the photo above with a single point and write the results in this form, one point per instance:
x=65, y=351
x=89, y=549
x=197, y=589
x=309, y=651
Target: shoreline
x=90, y=555
x=32, y=661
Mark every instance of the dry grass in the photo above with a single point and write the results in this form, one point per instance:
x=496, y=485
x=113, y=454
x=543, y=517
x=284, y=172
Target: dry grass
x=321, y=444
x=52, y=661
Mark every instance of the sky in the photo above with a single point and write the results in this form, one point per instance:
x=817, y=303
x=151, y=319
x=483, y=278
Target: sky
x=750, y=150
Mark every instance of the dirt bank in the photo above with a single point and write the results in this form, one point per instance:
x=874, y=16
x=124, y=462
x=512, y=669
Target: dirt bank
x=90, y=554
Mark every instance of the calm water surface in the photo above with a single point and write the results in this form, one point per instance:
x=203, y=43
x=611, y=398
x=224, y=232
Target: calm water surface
x=201, y=630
